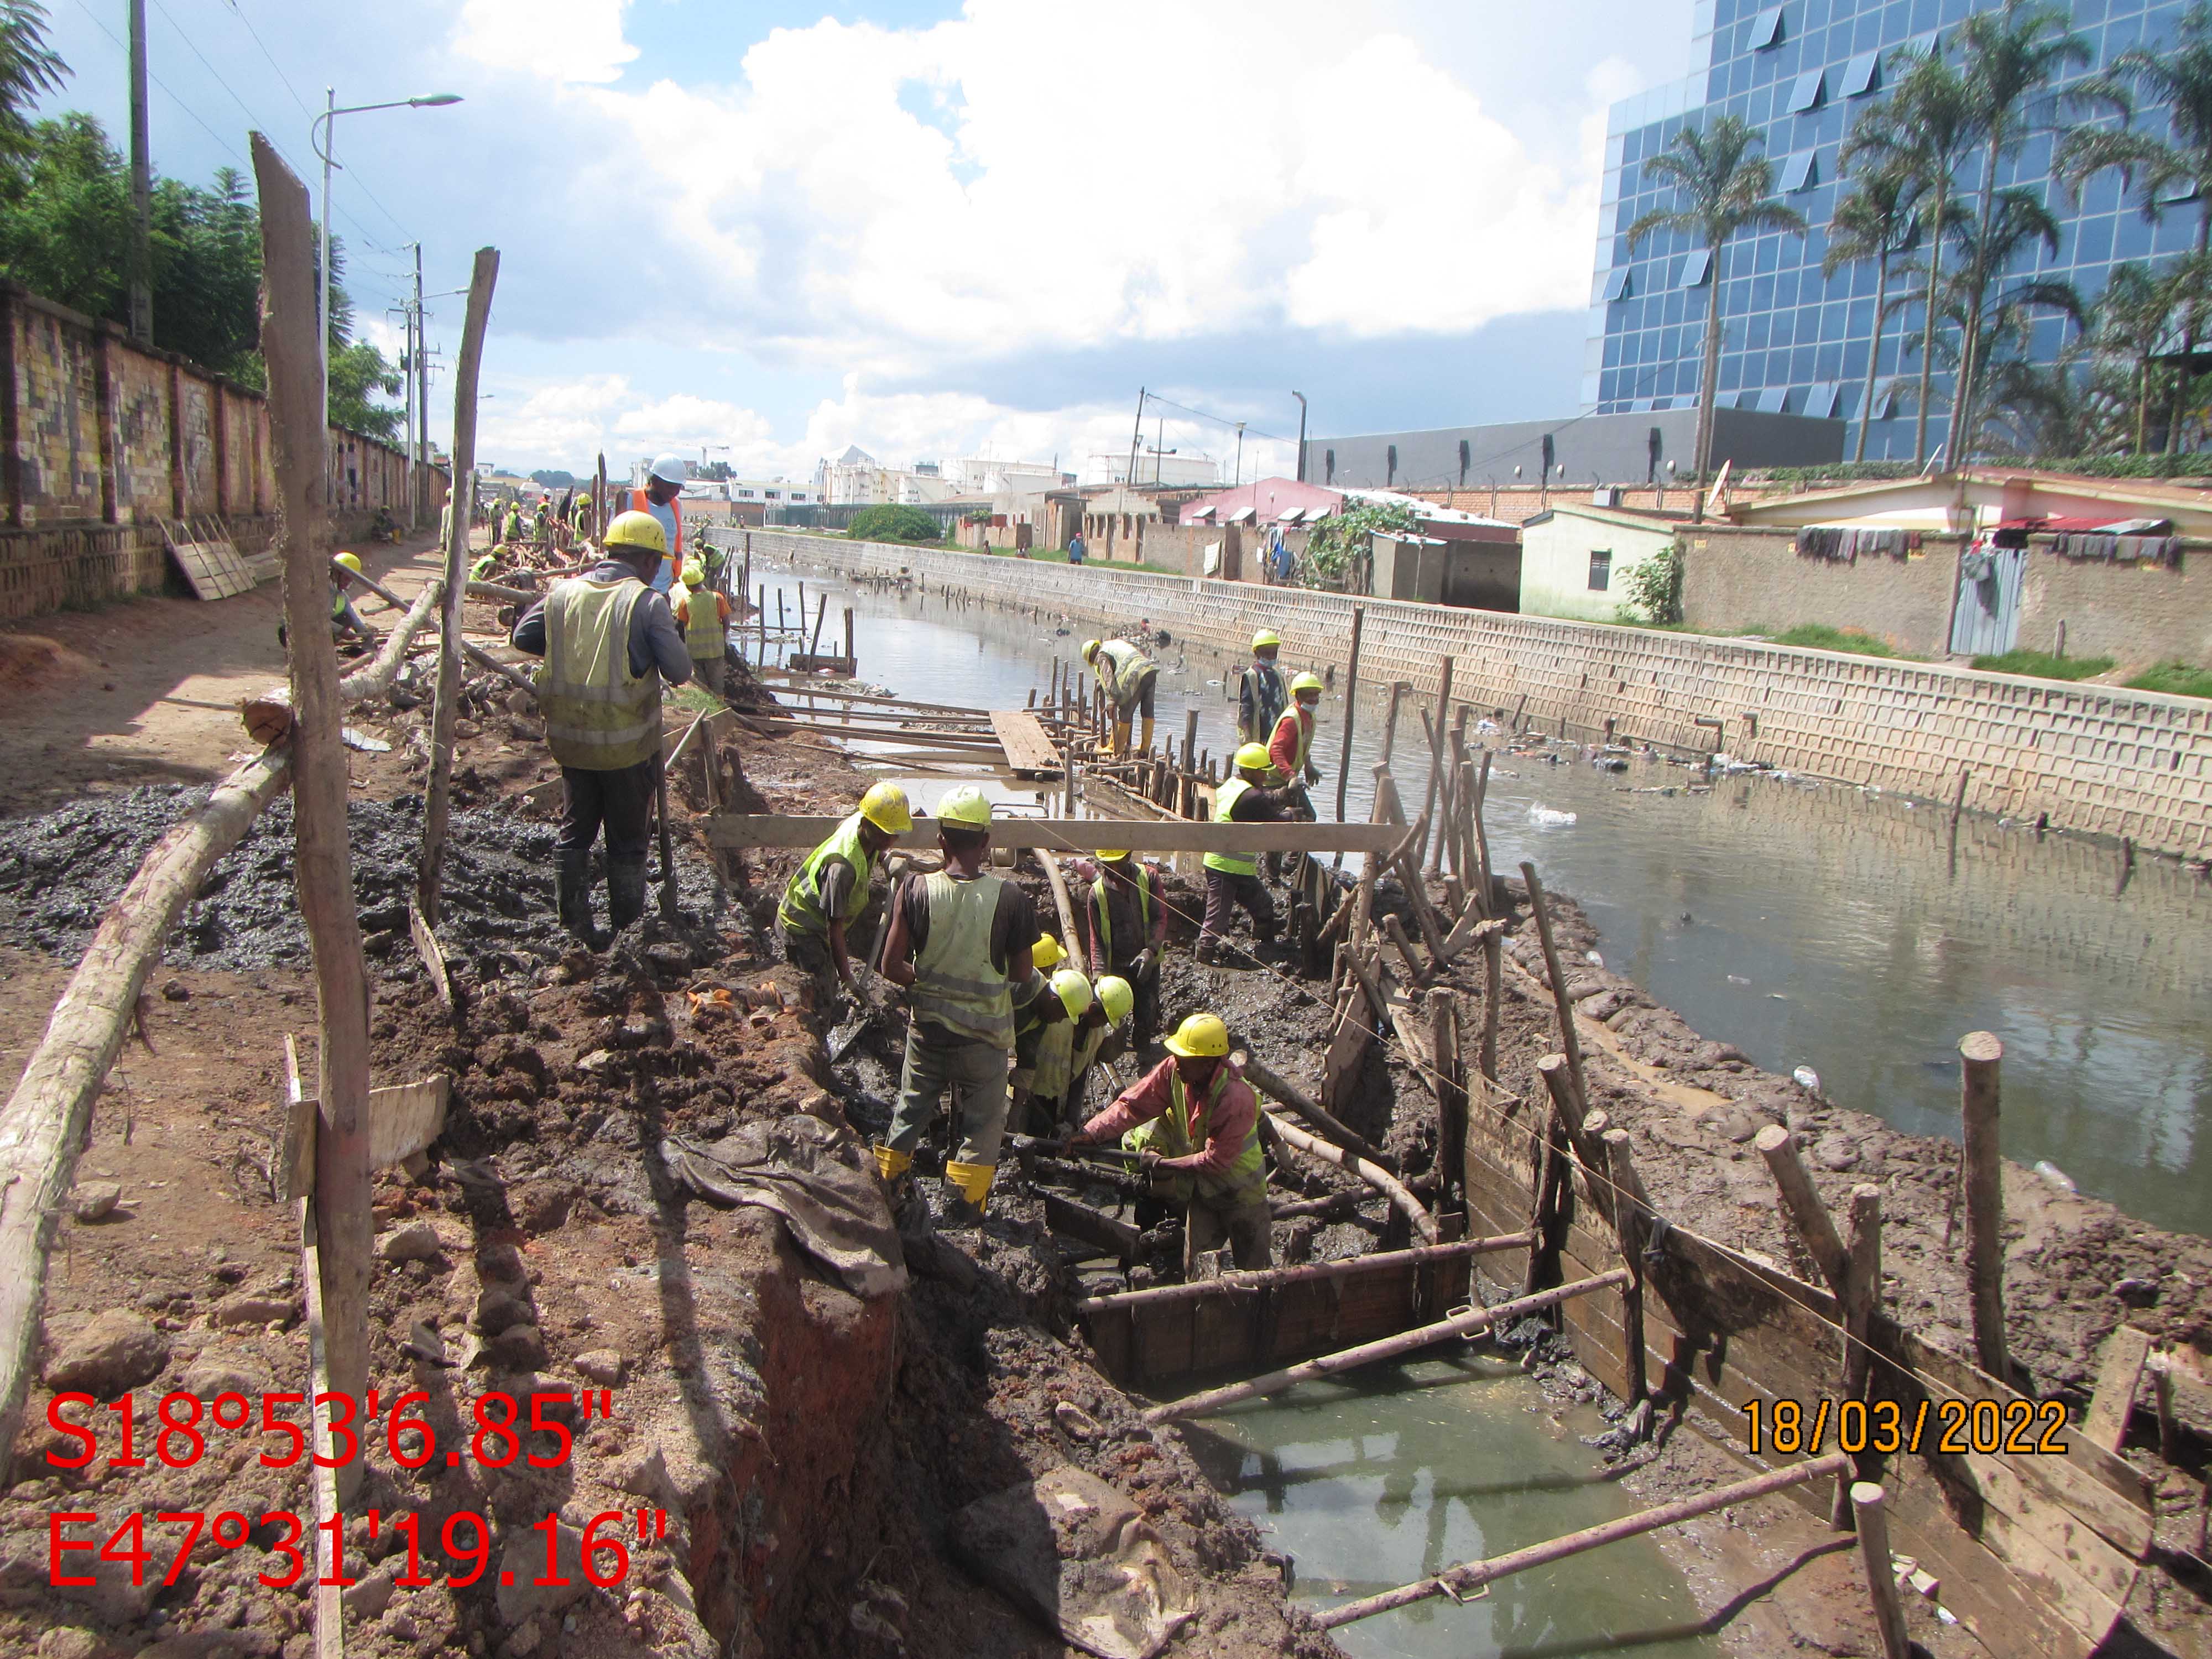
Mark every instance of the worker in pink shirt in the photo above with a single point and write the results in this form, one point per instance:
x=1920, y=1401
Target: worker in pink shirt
x=1197, y=1122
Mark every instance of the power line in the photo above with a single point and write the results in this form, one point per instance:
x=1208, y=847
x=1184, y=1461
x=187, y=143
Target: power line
x=239, y=12
x=1250, y=430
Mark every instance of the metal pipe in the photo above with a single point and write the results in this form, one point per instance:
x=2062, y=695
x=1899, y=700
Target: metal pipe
x=1260, y=1278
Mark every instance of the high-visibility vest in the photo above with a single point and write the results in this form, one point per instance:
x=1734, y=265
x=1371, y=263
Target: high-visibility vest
x=1169, y=1134
x=599, y=717
x=954, y=982
x=1122, y=665
x=1104, y=912
x=702, y=625
x=801, y=910
x=337, y=602
x=671, y=515
x=1226, y=798
x=1270, y=694
x=1304, y=742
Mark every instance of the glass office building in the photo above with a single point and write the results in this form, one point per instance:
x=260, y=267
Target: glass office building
x=1801, y=73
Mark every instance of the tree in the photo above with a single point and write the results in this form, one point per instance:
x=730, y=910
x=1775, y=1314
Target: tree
x=1997, y=329
x=888, y=522
x=1724, y=188
x=1925, y=130
x=2008, y=56
x=1875, y=222
x=2159, y=171
x=28, y=69
x=2132, y=321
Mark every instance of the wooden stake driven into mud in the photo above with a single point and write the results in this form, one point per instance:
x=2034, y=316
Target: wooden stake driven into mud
x=445, y=712
x=1270, y=1082
x=1815, y=1226
x=323, y=858
x=1569, y=1044
x=1979, y=1052
x=1632, y=1206
x=1866, y=1500
x=1862, y=1291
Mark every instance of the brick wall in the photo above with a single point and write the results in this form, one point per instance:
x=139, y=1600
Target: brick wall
x=1735, y=578
x=100, y=441
x=2136, y=614
x=2094, y=758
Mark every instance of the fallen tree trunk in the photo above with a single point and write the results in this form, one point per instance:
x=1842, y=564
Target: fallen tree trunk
x=268, y=717
x=48, y=1118
x=1373, y=1174
x=476, y=654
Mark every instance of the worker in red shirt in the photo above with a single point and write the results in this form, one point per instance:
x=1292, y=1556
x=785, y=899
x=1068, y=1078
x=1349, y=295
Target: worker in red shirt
x=1290, y=745
x=1197, y=1122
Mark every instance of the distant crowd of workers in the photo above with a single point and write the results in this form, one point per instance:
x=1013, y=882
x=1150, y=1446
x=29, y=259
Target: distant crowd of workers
x=1000, y=1018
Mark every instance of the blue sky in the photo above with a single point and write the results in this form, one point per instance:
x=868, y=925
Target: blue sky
x=936, y=230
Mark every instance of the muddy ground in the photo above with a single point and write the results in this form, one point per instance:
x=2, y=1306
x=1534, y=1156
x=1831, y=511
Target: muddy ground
x=811, y=1445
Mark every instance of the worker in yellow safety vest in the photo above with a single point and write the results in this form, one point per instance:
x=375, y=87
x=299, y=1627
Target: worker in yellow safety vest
x=703, y=614
x=1261, y=694
x=962, y=940
x=1233, y=878
x=1290, y=745
x=1044, y=1034
x=1197, y=1122
x=1130, y=680
x=609, y=642
x=827, y=898
x=345, y=621
x=1128, y=917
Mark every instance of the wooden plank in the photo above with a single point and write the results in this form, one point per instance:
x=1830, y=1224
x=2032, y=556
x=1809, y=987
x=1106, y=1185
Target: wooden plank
x=433, y=957
x=327, y=1612
x=405, y=1119
x=1022, y=735
x=2119, y=1374
x=734, y=829
x=296, y=1163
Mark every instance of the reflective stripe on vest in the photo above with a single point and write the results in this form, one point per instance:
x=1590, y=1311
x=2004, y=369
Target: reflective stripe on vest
x=1225, y=799
x=801, y=910
x=702, y=626
x=1169, y=1134
x=599, y=716
x=1126, y=665
x=1106, y=915
x=954, y=982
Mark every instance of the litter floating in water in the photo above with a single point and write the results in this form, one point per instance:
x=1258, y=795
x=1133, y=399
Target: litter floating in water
x=1807, y=1076
x=1549, y=817
x=2057, y=1176
x=1738, y=979
x=1594, y=958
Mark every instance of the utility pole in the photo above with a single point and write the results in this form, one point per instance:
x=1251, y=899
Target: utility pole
x=1136, y=438
x=1239, y=482
x=1301, y=397
x=421, y=497
x=142, y=187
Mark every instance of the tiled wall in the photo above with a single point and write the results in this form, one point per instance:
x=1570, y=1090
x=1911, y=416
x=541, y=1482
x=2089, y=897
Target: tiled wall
x=2094, y=758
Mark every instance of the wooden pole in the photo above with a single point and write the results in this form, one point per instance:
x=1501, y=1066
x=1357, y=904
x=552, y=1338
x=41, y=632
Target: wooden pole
x=1436, y=753
x=323, y=861
x=1483, y=882
x=1472, y=1323
x=1631, y=1205
x=852, y=658
x=1881, y=1571
x=1460, y=1580
x=1979, y=1055
x=1351, y=704
x=1493, y=993
x=446, y=711
x=760, y=615
x=1373, y=1174
x=1569, y=1044
x=1272, y=1083
x=1398, y=689
x=1234, y=1284
x=1862, y=1293
x=1451, y=1092
x=1815, y=1226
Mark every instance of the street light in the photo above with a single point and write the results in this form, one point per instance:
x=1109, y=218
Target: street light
x=1301, y=397
x=327, y=122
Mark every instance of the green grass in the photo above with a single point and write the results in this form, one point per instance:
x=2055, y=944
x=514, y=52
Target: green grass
x=2043, y=666
x=1819, y=636
x=2176, y=679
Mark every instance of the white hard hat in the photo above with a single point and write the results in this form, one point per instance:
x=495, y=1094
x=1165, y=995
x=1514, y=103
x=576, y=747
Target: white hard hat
x=670, y=469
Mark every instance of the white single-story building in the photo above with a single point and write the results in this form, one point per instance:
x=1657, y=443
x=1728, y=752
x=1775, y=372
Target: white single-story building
x=1575, y=559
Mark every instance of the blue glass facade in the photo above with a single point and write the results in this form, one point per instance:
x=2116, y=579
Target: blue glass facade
x=1801, y=73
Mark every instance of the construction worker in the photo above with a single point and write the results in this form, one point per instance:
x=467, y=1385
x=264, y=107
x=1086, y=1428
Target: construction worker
x=541, y=523
x=963, y=939
x=581, y=517
x=1129, y=678
x=1233, y=878
x=1197, y=1121
x=1261, y=696
x=483, y=566
x=664, y=484
x=704, y=615
x=1290, y=745
x=345, y=621
x=1128, y=925
x=608, y=643
x=514, y=523
x=827, y=896
x=1113, y=1000
x=1044, y=1034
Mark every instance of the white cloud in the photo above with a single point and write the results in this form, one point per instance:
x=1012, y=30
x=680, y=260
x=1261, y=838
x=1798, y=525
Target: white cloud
x=565, y=40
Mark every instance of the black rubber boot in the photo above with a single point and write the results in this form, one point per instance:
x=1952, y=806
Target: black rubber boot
x=625, y=891
x=572, y=885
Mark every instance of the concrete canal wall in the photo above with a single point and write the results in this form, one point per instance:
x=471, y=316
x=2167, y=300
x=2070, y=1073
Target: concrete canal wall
x=2095, y=759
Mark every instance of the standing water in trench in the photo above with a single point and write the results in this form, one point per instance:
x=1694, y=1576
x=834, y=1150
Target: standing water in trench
x=1815, y=926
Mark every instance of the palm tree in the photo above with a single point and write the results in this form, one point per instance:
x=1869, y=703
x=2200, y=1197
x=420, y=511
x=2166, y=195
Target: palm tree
x=1875, y=222
x=1725, y=188
x=1994, y=329
x=2178, y=75
x=2132, y=321
x=28, y=68
x=2008, y=56
x=1926, y=129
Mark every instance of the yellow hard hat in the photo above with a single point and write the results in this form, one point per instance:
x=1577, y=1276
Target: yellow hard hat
x=967, y=806
x=1047, y=952
x=1073, y=992
x=637, y=530
x=1307, y=681
x=1090, y=649
x=885, y=805
x=1112, y=855
x=694, y=574
x=1201, y=1036
x=351, y=562
x=1253, y=758
x=1116, y=997
x=1265, y=637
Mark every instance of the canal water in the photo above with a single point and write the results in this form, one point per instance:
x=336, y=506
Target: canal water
x=1809, y=925
x=1393, y=1475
